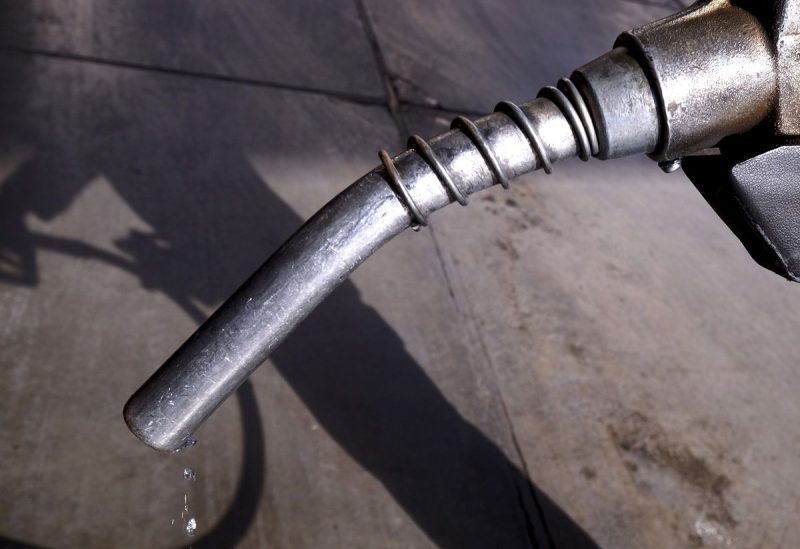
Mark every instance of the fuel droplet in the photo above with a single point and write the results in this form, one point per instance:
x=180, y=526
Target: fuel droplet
x=191, y=526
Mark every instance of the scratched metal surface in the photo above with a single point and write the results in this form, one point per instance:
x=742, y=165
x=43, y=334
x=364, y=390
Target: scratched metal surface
x=588, y=359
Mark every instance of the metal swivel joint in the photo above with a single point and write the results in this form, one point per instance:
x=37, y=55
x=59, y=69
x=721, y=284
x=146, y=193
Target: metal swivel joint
x=668, y=89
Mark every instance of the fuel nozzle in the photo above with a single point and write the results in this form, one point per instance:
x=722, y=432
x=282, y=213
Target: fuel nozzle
x=669, y=89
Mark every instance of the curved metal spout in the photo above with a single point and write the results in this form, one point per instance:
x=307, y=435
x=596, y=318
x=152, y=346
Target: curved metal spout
x=401, y=193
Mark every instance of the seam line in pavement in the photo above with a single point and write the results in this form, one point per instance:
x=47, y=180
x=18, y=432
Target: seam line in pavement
x=368, y=100
x=391, y=101
x=512, y=431
x=345, y=96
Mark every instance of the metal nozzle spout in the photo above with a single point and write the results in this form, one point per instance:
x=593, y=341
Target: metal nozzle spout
x=243, y=332
x=402, y=192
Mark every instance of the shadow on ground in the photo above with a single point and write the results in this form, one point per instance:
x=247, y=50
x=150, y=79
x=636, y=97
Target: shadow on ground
x=168, y=162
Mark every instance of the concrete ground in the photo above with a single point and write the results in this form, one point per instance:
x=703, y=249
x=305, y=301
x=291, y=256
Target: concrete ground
x=589, y=359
